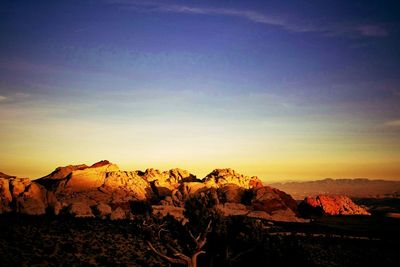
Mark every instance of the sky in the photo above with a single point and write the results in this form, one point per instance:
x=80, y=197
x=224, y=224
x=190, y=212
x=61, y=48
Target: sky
x=285, y=90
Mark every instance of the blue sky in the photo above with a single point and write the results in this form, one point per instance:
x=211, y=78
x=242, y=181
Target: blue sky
x=281, y=89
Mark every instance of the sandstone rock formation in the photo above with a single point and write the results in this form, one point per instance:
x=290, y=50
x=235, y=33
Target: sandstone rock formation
x=23, y=196
x=231, y=193
x=87, y=191
x=220, y=177
x=5, y=195
x=270, y=200
x=330, y=205
x=33, y=201
x=101, y=182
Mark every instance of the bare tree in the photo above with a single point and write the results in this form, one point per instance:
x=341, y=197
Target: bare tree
x=178, y=256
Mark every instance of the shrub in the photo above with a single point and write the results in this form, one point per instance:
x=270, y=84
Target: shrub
x=141, y=207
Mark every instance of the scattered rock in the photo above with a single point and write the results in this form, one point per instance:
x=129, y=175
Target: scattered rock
x=102, y=210
x=118, y=214
x=80, y=210
x=176, y=212
x=233, y=209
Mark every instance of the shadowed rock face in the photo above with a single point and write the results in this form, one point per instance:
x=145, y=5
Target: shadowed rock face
x=270, y=200
x=330, y=205
x=5, y=195
x=23, y=196
x=102, y=189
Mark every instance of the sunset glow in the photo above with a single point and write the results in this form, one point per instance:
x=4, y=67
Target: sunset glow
x=199, y=85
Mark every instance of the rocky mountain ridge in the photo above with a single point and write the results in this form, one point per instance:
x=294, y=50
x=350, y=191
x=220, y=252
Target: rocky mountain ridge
x=104, y=190
x=358, y=188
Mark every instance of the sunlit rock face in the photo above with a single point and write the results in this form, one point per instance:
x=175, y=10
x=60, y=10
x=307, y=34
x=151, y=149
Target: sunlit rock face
x=219, y=177
x=169, y=179
x=330, y=205
x=101, y=182
x=105, y=182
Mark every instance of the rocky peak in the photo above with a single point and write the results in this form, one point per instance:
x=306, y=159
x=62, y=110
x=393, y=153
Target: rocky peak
x=62, y=172
x=100, y=164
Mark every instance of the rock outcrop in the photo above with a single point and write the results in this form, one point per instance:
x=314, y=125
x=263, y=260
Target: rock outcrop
x=33, y=201
x=23, y=196
x=101, y=182
x=270, y=200
x=105, y=191
x=5, y=195
x=330, y=205
x=219, y=177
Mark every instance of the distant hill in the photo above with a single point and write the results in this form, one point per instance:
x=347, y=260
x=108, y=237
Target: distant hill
x=359, y=187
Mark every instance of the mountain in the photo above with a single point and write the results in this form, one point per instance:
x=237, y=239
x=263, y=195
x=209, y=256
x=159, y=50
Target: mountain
x=104, y=190
x=359, y=188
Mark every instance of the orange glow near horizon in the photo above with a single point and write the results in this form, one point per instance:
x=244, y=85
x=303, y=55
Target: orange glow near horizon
x=34, y=150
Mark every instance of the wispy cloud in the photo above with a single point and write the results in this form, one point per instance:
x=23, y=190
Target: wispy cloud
x=289, y=24
x=14, y=97
x=373, y=31
x=396, y=92
x=393, y=123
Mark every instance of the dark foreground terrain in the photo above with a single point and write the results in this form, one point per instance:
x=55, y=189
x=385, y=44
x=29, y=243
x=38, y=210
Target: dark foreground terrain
x=332, y=241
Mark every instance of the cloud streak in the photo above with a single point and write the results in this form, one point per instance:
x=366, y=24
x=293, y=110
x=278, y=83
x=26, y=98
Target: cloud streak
x=285, y=23
x=393, y=123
